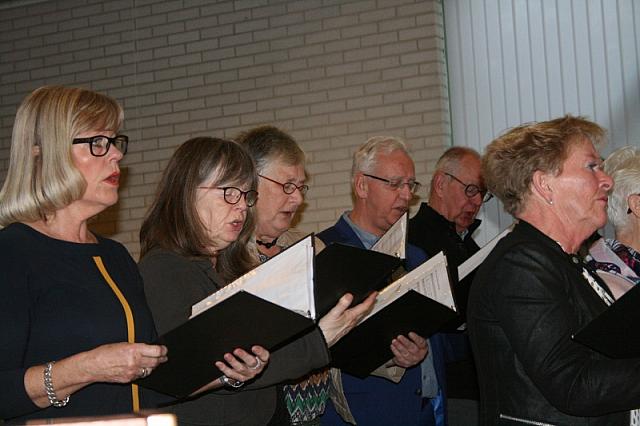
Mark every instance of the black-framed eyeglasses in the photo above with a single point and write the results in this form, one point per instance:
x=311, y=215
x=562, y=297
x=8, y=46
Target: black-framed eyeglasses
x=471, y=190
x=396, y=185
x=99, y=145
x=289, y=187
x=232, y=194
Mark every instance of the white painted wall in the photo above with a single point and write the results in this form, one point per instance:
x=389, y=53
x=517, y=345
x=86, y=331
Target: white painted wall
x=513, y=61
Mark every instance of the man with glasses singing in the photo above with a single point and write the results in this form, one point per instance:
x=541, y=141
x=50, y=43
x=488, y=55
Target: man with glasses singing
x=447, y=223
x=383, y=183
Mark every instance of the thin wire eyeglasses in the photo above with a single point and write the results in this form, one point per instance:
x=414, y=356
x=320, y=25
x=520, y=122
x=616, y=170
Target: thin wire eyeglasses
x=99, y=145
x=232, y=194
x=471, y=190
x=396, y=185
x=288, y=187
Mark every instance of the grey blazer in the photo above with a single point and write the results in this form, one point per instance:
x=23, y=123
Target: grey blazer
x=172, y=285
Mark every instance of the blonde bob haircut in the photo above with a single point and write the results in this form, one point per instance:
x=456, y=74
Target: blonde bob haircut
x=510, y=160
x=42, y=177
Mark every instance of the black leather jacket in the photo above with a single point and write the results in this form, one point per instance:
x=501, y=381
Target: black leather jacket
x=526, y=301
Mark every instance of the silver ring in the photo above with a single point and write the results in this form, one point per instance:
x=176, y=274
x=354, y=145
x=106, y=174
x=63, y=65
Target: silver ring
x=258, y=364
x=144, y=372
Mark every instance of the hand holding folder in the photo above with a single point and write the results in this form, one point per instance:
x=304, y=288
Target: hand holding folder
x=269, y=306
x=420, y=301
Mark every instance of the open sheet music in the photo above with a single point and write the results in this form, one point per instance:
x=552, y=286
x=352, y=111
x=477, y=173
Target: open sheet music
x=286, y=280
x=474, y=261
x=421, y=301
x=429, y=279
x=394, y=241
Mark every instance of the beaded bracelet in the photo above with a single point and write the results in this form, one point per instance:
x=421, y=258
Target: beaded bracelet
x=48, y=387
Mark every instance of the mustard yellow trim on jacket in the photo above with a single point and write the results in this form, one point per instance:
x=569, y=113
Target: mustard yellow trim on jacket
x=131, y=330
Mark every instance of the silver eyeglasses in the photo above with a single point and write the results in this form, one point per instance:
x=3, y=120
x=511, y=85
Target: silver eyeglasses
x=396, y=185
x=288, y=187
x=99, y=145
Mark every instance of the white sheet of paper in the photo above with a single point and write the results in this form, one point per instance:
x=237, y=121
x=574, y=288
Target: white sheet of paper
x=394, y=241
x=286, y=280
x=474, y=261
x=429, y=279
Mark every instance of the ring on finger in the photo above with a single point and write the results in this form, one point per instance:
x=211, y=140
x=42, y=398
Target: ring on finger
x=258, y=364
x=144, y=372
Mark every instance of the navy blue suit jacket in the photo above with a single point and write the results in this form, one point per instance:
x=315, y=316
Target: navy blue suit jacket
x=378, y=401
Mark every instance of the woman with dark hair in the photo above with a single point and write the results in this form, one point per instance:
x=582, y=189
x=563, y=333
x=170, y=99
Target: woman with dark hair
x=194, y=242
x=72, y=310
x=533, y=292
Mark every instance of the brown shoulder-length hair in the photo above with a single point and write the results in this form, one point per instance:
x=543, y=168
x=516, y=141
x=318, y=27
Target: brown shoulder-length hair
x=172, y=222
x=510, y=160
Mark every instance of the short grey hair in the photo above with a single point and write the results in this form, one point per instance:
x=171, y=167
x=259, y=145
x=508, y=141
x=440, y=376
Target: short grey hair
x=623, y=165
x=450, y=160
x=268, y=144
x=366, y=157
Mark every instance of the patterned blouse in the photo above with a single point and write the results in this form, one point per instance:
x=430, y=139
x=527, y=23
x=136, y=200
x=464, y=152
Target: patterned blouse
x=305, y=400
x=627, y=255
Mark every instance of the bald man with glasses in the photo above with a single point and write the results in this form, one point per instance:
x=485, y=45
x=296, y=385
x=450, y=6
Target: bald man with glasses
x=447, y=223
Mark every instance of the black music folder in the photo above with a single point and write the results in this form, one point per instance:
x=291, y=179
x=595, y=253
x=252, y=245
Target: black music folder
x=614, y=332
x=341, y=269
x=240, y=321
x=421, y=301
x=269, y=306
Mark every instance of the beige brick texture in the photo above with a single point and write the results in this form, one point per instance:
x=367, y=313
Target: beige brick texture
x=332, y=73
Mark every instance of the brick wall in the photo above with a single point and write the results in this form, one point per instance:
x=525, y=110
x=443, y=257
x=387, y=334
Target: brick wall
x=331, y=72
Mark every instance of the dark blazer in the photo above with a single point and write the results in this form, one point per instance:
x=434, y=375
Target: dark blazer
x=433, y=233
x=526, y=301
x=172, y=285
x=374, y=400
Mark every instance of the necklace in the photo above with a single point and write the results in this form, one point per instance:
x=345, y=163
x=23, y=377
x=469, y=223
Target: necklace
x=267, y=245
